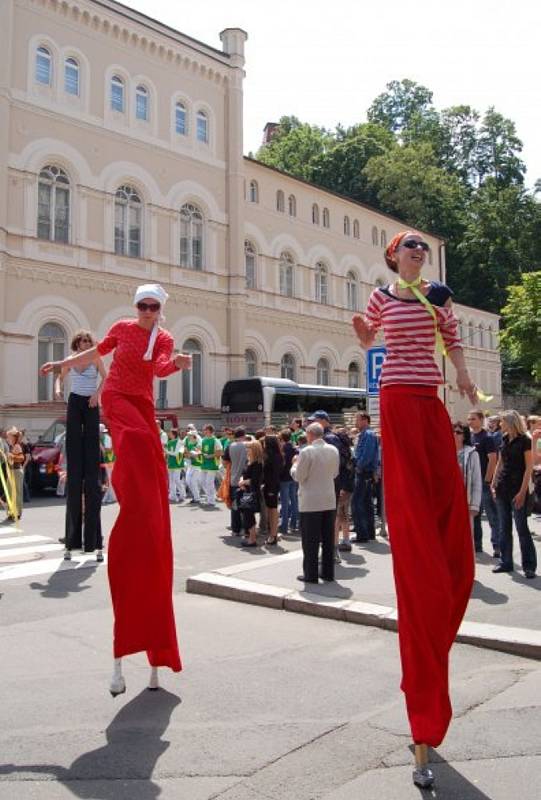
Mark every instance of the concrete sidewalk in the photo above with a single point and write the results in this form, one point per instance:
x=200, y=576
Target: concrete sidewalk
x=503, y=613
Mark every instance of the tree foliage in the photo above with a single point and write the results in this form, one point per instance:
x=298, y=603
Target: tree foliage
x=521, y=337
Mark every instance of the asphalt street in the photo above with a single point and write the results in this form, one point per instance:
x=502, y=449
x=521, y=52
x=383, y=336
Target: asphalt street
x=269, y=705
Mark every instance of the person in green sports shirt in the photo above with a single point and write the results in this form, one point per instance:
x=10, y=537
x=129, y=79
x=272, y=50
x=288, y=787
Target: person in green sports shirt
x=193, y=460
x=175, y=461
x=296, y=430
x=211, y=451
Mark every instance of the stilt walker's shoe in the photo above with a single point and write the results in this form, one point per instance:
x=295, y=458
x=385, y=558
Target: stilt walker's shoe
x=118, y=684
x=153, y=684
x=423, y=777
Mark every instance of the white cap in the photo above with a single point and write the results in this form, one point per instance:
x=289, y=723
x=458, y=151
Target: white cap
x=155, y=292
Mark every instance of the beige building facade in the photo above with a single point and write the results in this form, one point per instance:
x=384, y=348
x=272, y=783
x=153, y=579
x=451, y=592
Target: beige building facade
x=121, y=162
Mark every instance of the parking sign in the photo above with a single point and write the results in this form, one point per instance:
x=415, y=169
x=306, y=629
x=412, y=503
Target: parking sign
x=374, y=361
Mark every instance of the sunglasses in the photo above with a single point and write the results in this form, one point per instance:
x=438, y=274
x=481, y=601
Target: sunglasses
x=411, y=244
x=148, y=306
x=86, y=339
x=458, y=430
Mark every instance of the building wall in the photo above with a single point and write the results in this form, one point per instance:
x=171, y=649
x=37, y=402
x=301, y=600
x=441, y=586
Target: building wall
x=83, y=283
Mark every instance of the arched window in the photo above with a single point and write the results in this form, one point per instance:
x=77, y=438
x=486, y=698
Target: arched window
x=141, y=103
x=53, y=204
x=481, y=336
x=322, y=283
x=430, y=256
x=356, y=232
x=322, y=372
x=326, y=218
x=254, y=192
x=117, y=94
x=352, y=294
x=347, y=227
x=470, y=341
x=490, y=338
x=375, y=236
x=286, y=274
x=51, y=347
x=354, y=375
x=128, y=214
x=202, y=127
x=292, y=205
x=461, y=329
x=383, y=239
x=44, y=64
x=191, y=237
x=71, y=76
x=250, y=256
x=280, y=203
x=250, y=359
x=192, y=378
x=315, y=214
x=288, y=367
x=181, y=119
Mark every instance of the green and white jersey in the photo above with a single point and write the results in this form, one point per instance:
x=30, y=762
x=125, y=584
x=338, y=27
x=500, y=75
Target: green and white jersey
x=211, y=450
x=189, y=448
x=175, y=449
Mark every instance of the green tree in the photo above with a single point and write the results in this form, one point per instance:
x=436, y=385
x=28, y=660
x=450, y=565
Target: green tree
x=521, y=336
x=403, y=104
x=408, y=183
x=498, y=150
x=340, y=168
x=294, y=147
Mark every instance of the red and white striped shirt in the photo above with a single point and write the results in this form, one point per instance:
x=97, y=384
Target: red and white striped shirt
x=410, y=335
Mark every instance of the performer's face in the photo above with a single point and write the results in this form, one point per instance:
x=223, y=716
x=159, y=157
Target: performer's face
x=148, y=311
x=411, y=253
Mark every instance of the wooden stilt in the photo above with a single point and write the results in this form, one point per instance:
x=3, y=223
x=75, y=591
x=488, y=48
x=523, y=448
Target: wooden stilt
x=421, y=755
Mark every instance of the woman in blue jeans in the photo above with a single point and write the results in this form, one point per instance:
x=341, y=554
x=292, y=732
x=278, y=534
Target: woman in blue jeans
x=510, y=487
x=289, y=504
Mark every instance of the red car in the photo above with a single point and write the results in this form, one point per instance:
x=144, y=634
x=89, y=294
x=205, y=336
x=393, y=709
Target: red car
x=46, y=451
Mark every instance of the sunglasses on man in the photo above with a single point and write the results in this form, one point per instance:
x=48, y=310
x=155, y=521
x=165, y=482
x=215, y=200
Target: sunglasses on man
x=148, y=306
x=412, y=244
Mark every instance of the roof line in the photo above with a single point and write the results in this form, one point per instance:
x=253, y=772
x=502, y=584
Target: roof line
x=341, y=196
x=160, y=27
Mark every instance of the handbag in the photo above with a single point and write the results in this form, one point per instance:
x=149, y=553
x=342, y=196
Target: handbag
x=248, y=501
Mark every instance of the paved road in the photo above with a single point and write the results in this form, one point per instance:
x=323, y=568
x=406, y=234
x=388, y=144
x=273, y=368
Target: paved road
x=270, y=704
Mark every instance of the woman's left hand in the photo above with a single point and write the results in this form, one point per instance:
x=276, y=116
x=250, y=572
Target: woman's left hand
x=94, y=400
x=466, y=386
x=183, y=361
x=518, y=499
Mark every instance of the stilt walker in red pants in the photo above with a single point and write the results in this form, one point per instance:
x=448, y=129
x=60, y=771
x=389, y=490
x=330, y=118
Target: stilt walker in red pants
x=426, y=506
x=140, y=555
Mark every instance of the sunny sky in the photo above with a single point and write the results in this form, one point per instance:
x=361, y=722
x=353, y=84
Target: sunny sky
x=325, y=62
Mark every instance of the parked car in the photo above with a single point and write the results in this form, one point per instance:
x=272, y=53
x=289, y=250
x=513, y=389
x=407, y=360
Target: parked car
x=46, y=451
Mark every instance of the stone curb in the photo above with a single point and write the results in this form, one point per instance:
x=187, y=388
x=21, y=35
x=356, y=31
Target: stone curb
x=517, y=641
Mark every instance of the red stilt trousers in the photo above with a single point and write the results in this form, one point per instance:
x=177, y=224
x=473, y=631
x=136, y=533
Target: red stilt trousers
x=431, y=545
x=140, y=554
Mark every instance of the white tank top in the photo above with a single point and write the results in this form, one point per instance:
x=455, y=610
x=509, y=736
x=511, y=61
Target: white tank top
x=84, y=383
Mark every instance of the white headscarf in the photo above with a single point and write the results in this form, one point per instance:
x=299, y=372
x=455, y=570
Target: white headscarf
x=156, y=292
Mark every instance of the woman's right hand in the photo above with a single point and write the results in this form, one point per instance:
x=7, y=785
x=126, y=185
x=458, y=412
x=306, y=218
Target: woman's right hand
x=49, y=366
x=59, y=397
x=362, y=329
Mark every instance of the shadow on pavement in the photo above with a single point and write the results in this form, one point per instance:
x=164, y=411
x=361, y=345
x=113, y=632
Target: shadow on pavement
x=64, y=582
x=122, y=769
x=450, y=784
x=488, y=595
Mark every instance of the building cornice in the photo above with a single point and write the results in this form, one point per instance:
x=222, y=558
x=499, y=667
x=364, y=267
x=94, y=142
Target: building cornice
x=130, y=28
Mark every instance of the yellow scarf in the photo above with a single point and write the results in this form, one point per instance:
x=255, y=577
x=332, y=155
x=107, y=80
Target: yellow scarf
x=440, y=344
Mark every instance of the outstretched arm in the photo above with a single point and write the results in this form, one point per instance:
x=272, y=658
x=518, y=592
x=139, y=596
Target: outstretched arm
x=80, y=360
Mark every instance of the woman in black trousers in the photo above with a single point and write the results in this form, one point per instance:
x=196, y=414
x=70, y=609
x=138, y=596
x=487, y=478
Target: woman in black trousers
x=83, y=452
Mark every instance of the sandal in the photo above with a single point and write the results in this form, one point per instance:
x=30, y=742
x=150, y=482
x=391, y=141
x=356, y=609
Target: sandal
x=271, y=540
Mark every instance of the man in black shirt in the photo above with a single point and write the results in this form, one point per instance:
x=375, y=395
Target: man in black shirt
x=488, y=456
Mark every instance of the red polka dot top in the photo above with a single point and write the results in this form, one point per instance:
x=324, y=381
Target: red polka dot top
x=128, y=373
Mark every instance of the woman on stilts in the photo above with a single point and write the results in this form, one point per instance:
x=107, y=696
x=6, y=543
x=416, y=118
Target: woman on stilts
x=426, y=506
x=140, y=555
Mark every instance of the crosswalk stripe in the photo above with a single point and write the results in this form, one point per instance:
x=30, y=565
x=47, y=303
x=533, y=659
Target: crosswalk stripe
x=33, y=568
x=6, y=529
x=22, y=540
x=40, y=548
